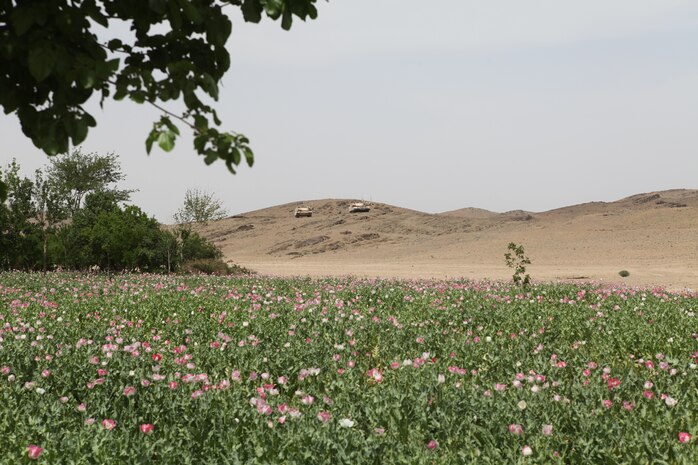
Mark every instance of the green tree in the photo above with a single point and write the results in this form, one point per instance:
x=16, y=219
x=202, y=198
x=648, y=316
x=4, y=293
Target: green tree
x=75, y=175
x=127, y=239
x=195, y=247
x=199, y=207
x=19, y=234
x=171, y=247
x=114, y=238
x=78, y=249
x=53, y=61
x=50, y=211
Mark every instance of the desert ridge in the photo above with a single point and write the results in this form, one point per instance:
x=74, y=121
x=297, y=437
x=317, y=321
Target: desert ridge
x=654, y=236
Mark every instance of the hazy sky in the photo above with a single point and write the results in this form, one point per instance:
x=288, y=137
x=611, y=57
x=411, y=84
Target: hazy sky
x=436, y=105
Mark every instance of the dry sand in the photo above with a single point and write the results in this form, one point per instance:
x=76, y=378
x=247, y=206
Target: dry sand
x=654, y=236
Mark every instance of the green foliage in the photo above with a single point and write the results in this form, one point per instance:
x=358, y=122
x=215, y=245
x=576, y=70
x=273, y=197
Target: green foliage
x=624, y=273
x=195, y=247
x=53, y=62
x=199, y=207
x=516, y=260
x=212, y=266
x=19, y=234
x=590, y=375
x=50, y=210
x=73, y=176
x=99, y=233
x=127, y=239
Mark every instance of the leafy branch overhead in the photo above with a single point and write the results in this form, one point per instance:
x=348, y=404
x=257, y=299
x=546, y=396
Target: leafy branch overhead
x=56, y=54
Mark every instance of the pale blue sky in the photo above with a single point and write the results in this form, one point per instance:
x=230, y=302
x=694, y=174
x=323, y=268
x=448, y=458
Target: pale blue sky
x=435, y=106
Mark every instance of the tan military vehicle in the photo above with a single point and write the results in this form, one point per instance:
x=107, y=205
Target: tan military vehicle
x=359, y=207
x=303, y=211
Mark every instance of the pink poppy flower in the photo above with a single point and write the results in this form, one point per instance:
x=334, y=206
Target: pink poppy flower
x=683, y=437
x=613, y=383
x=324, y=416
x=34, y=451
x=375, y=375
x=108, y=424
x=146, y=428
x=129, y=391
x=433, y=444
x=516, y=429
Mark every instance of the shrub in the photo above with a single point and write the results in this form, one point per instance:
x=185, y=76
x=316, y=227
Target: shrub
x=195, y=247
x=624, y=273
x=213, y=266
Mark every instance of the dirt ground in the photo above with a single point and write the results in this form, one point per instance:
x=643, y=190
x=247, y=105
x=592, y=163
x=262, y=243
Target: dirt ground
x=654, y=236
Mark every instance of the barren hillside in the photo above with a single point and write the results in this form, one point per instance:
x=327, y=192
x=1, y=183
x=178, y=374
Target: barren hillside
x=653, y=235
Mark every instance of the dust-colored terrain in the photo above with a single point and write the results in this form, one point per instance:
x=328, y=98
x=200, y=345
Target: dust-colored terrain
x=654, y=236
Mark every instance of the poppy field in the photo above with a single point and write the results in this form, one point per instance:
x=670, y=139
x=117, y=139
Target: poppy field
x=136, y=368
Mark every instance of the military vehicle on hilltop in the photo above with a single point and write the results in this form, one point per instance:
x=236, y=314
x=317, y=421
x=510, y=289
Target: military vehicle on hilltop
x=303, y=211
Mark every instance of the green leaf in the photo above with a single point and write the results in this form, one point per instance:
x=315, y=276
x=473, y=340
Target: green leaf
x=200, y=122
x=209, y=85
x=200, y=143
x=87, y=79
x=175, y=16
x=22, y=19
x=79, y=131
x=273, y=8
x=41, y=62
x=287, y=20
x=152, y=137
x=235, y=155
x=218, y=29
x=252, y=11
x=191, y=12
x=137, y=96
x=167, y=122
x=114, y=44
x=211, y=156
x=166, y=140
x=249, y=156
x=158, y=6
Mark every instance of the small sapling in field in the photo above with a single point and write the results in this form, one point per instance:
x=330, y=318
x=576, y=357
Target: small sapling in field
x=517, y=260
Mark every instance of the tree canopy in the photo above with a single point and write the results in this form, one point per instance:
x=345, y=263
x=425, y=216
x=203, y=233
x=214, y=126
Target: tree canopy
x=54, y=220
x=56, y=54
x=75, y=175
x=199, y=207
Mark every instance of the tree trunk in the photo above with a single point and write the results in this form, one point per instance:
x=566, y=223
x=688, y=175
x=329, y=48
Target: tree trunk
x=45, y=249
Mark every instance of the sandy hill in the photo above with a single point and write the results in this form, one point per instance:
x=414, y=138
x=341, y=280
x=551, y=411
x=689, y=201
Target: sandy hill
x=652, y=235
